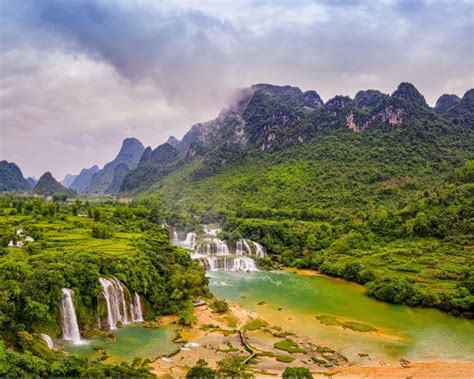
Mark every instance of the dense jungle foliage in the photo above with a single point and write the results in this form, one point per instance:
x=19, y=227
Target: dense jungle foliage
x=66, y=253
x=389, y=208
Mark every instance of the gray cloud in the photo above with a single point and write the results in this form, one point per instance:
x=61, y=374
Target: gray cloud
x=78, y=76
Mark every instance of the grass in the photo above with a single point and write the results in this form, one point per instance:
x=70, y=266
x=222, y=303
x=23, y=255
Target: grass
x=288, y=345
x=231, y=321
x=358, y=327
x=74, y=234
x=328, y=320
x=353, y=325
x=284, y=358
x=255, y=324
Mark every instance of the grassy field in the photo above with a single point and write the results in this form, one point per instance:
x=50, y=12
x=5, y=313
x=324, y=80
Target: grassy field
x=71, y=234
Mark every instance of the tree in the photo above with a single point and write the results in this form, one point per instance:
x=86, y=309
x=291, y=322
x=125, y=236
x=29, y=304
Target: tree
x=201, y=371
x=297, y=373
x=233, y=367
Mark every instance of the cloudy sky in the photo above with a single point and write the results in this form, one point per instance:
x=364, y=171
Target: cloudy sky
x=78, y=76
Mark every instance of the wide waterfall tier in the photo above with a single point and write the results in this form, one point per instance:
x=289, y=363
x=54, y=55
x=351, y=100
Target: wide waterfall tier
x=228, y=263
x=215, y=254
x=68, y=317
x=212, y=246
x=122, y=308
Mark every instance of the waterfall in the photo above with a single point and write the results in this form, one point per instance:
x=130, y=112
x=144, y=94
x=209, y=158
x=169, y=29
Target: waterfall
x=48, y=341
x=212, y=246
x=260, y=250
x=137, y=306
x=190, y=240
x=175, y=236
x=214, y=254
x=229, y=263
x=121, y=308
x=243, y=248
x=68, y=317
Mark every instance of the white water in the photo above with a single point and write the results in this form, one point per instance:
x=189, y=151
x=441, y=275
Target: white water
x=260, y=250
x=212, y=246
x=215, y=254
x=121, y=308
x=48, y=340
x=137, y=306
x=190, y=240
x=68, y=317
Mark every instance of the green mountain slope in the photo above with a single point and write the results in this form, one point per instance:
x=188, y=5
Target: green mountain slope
x=48, y=186
x=11, y=178
x=367, y=189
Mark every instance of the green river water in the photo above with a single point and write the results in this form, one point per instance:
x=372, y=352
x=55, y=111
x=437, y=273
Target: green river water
x=292, y=301
x=132, y=341
x=402, y=332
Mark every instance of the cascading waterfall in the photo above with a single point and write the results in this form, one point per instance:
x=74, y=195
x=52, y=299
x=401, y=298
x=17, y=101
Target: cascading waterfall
x=121, y=308
x=215, y=254
x=260, y=250
x=48, y=340
x=212, y=246
x=68, y=317
x=190, y=240
x=137, y=307
x=243, y=248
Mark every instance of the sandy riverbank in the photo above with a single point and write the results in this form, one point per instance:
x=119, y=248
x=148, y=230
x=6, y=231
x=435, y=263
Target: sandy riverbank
x=435, y=369
x=215, y=337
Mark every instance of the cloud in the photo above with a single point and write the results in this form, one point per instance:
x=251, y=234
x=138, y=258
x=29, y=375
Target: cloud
x=89, y=73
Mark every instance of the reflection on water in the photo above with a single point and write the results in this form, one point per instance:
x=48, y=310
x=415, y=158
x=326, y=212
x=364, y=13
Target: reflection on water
x=292, y=301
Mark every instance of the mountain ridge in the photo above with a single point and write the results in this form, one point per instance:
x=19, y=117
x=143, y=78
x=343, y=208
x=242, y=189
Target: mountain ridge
x=269, y=117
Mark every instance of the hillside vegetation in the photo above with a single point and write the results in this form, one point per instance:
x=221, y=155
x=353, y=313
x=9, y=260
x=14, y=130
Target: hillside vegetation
x=71, y=246
x=378, y=189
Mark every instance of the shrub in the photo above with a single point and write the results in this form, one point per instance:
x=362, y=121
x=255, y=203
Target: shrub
x=219, y=306
x=297, y=373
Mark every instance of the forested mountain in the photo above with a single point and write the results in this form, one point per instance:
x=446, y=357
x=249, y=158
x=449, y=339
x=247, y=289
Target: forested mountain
x=110, y=178
x=379, y=186
x=48, y=186
x=11, y=178
x=82, y=181
x=271, y=118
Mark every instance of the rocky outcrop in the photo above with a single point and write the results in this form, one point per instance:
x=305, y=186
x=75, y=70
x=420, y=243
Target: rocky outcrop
x=110, y=178
x=82, y=181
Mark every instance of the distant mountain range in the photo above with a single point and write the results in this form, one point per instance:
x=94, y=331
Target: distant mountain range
x=82, y=181
x=264, y=118
x=68, y=180
x=270, y=118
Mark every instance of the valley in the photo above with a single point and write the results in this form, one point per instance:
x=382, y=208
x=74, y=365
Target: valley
x=288, y=232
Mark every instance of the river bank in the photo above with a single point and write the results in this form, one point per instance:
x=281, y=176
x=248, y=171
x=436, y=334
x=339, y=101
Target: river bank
x=215, y=337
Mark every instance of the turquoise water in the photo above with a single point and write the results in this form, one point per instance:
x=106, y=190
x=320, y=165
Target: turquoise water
x=402, y=332
x=132, y=341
